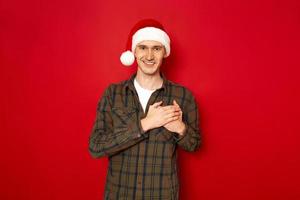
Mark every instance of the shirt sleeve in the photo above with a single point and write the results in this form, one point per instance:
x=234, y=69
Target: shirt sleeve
x=191, y=139
x=108, y=138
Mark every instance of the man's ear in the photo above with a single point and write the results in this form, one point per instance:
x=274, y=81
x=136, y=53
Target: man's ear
x=165, y=55
x=134, y=53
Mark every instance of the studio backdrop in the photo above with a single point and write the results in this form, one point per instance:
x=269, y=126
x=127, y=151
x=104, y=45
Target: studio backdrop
x=239, y=58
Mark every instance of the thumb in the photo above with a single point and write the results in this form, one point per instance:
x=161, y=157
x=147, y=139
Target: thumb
x=175, y=103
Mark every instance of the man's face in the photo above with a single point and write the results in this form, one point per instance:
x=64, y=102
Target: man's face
x=149, y=56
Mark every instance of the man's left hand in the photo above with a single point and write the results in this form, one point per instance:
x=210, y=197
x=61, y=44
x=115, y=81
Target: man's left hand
x=177, y=125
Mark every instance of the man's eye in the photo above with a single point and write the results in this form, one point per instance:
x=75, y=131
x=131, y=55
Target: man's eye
x=142, y=47
x=157, y=48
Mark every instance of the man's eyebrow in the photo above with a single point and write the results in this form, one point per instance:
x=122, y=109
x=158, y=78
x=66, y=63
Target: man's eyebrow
x=160, y=46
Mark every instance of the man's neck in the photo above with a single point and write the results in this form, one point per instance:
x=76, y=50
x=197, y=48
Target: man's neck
x=149, y=82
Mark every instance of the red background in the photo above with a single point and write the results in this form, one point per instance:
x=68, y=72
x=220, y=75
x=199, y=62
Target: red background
x=240, y=59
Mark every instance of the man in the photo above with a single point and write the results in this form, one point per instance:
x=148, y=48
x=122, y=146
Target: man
x=141, y=121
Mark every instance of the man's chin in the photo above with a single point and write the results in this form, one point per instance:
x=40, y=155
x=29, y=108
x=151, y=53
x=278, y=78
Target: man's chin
x=150, y=71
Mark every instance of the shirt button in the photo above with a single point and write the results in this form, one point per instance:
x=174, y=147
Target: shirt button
x=138, y=135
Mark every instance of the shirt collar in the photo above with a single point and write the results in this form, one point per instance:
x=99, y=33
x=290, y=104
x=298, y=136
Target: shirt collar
x=130, y=82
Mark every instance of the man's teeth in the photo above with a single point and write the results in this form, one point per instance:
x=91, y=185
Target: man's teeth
x=149, y=63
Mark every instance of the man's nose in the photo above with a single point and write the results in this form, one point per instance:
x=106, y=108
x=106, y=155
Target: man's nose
x=149, y=54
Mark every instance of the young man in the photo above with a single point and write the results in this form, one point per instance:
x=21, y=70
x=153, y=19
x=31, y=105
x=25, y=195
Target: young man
x=141, y=121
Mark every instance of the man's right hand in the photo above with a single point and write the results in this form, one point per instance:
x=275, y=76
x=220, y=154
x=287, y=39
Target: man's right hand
x=158, y=116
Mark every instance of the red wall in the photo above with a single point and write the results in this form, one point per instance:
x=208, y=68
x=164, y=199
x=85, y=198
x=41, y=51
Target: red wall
x=240, y=58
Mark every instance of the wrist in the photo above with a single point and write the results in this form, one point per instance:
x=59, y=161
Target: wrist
x=145, y=125
x=182, y=129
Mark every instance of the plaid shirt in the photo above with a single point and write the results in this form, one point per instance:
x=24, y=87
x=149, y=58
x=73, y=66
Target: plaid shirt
x=142, y=165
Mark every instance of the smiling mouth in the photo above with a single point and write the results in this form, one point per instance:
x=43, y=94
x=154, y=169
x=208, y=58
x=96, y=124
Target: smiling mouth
x=149, y=63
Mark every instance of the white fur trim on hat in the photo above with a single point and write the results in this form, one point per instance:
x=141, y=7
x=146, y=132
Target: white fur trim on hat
x=127, y=58
x=151, y=33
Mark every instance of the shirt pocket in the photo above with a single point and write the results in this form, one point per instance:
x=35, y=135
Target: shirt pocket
x=122, y=115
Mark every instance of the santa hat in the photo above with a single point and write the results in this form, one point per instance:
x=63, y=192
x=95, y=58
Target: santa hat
x=147, y=29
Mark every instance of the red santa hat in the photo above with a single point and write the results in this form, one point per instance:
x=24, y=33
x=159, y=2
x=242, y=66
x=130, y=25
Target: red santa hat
x=147, y=29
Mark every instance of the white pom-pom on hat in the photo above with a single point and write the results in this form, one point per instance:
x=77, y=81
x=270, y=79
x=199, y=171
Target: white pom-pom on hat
x=127, y=58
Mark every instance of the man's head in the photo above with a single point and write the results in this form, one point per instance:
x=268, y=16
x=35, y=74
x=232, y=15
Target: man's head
x=147, y=41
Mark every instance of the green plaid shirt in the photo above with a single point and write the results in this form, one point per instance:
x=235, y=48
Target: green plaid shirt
x=142, y=165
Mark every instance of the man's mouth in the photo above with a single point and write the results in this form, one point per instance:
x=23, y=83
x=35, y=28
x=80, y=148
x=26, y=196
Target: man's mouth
x=149, y=63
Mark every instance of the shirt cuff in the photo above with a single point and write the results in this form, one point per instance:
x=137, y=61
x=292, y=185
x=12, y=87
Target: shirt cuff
x=178, y=137
x=137, y=130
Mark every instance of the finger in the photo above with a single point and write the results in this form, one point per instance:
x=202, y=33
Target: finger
x=169, y=111
x=175, y=114
x=169, y=107
x=172, y=119
x=181, y=114
x=175, y=103
x=155, y=105
x=173, y=108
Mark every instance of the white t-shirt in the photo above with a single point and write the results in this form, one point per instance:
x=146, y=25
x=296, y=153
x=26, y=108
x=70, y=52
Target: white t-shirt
x=144, y=94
